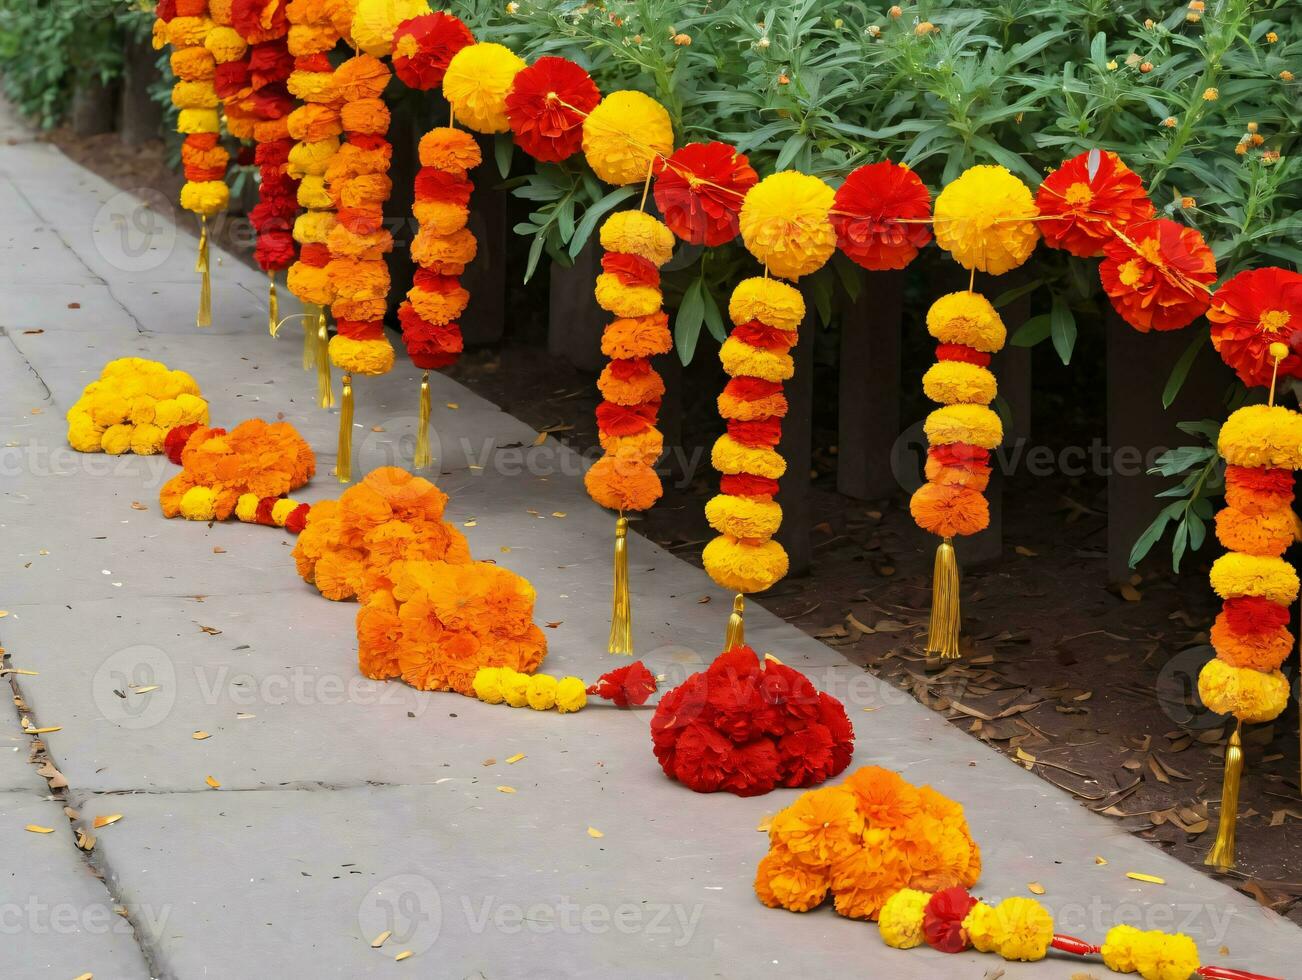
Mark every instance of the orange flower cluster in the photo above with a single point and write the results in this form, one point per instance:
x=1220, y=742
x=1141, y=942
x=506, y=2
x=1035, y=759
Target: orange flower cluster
x=1252, y=311
x=1087, y=200
x=220, y=467
x=442, y=248
x=636, y=245
x=1157, y=274
x=964, y=430
x=350, y=545
x=862, y=842
x=441, y=623
x=315, y=126
x=359, y=185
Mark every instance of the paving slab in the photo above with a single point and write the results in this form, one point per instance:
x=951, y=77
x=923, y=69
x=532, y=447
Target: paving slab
x=346, y=807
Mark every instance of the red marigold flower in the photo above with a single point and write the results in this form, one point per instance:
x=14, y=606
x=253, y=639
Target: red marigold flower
x=626, y=686
x=175, y=440
x=1156, y=272
x=423, y=46
x=1252, y=614
x=275, y=250
x=442, y=186
x=1252, y=311
x=546, y=107
x=759, y=334
x=259, y=20
x=962, y=352
x=700, y=189
x=747, y=485
x=626, y=420
x=1086, y=195
x=758, y=432
x=873, y=213
x=942, y=919
x=630, y=270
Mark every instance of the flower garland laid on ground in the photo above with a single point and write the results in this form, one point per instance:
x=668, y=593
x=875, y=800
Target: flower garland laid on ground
x=132, y=406
x=218, y=468
x=316, y=127
x=349, y=545
x=745, y=727
x=541, y=692
x=985, y=220
x=1021, y=929
x=626, y=687
x=862, y=841
x=440, y=623
x=205, y=194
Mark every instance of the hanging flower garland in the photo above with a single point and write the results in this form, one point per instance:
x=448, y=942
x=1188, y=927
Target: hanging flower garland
x=985, y=220
x=185, y=25
x=785, y=223
x=316, y=127
x=423, y=49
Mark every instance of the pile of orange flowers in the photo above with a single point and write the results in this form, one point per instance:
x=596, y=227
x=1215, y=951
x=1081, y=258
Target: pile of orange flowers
x=861, y=842
x=218, y=468
x=440, y=623
x=349, y=546
x=636, y=246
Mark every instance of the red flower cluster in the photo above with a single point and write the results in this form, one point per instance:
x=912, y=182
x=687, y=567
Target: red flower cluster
x=626, y=686
x=1156, y=273
x=1253, y=310
x=700, y=189
x=746, y=727
x=259, y=21
x=873, y=214
x=546, y=107
x=423, y=46
x=1088, y=197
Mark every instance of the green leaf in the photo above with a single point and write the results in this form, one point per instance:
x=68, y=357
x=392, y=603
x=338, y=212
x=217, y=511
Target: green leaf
x=687, y=324
x=713, y=316
x=1062, y=328
x=1153, y=533
x=595, y=212
x=503, y=149
x=1003, y=299
x=1032, y=331
x=1181, y=370
x=535, y=253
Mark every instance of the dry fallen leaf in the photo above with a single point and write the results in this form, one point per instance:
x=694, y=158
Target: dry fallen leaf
x=213, y=782
x=594, y=832
x=210, y=630
x=1130, y=593
x=145, y=690
x=471, y=523
x=453, y=405
x=85, y=976
x=1024, y=551
x=85, y=841
x=200, y=736
x=406, y=954
x=558, y=513
x=1035, y=888
x=1100, y=860
x=506, y=789
x=381, y=939
x=515, y=758
x=137, y=505
x=244, y=716
x=218, y=550
x=105, y=821
x=1151, y=879
x=490, y=762
x=38, y=829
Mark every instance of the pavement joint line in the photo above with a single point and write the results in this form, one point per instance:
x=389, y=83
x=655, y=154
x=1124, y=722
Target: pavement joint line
x=49, y=395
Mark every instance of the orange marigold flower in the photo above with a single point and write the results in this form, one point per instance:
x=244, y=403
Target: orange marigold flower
x=949, y=511
x=1253, y=310
x=1156, y=274
x=1085, y=199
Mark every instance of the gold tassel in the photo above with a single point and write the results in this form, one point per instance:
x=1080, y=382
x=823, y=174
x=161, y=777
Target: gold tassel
x=736, y=634
x=204, y=316
x=621, y=616
x=344, y=458
x=942, y=633
x=273, y=306
x=423, y=458
x=310, y=314
x=1222, y=853
x=325, y=393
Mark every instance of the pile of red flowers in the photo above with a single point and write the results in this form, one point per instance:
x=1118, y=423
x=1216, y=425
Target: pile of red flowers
x=747, y=726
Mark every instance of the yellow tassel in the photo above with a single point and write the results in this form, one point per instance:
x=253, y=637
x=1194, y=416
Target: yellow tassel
x=324, y=391
x=344, y=458
x=204, y=316
x=736, y=634
x=273, y=306
x=423, y=458
x=621, y=616
x=942, y=633
x=1222, y=853
x=310, y=314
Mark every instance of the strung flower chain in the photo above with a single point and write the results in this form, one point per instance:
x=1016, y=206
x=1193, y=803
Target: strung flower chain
x=541, y=692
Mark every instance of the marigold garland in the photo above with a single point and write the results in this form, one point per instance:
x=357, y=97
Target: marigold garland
x=219, y=468
x=880, y=216
x=746, y=726
x=546, y=106
x=440, y=623
x=349, y=546
x=984, y=219
x=624, y=137
x=1157, y=273
x=861, y=842
x=132, y=406
x=541, y=692
x=786, y=223
x=700, y=188
x=476, y=84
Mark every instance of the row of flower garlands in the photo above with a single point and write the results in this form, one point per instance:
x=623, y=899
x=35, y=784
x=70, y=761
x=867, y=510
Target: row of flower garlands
x=258, y=57
x=877, y=847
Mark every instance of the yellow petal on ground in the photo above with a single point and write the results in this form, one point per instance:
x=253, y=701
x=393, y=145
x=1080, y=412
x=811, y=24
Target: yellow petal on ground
x=506, y=789
x=42, y=731
x=200, y=736
x=1151, y=879
x=453, y=405
x=406, y=954
x=105, y=821
x=381, y=939
x=594, y=832
x=38, y=829
x=1100, y=860
x=1035, y=888
x=85, y=976
x=146, y=690
x=515, y=758
x=213, y=783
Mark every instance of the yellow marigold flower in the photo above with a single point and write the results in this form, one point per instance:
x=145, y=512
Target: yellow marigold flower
x=375, y=21
x=1118, y=949
x=186, y=32
x=637, y=233
x=683, y=40
x=1026, y=929
x=312, y=158
x=773, y=303
x=624, y=135
x=975, y=425
x=743, y=565
x=969, y=319
x=982, y=928
x=1188, y=202
x=924, y=28
x=900, y=921
x=732, y=457
x=512, y=7
x=1169, y=122
x=1253, y=127
x=542, y=692
x=192, y=121
x=740, y=359
x=1262, y=435
x=1286, y=75
x=571, y=695
x=636, y=300
x=1211, y=94
x=1252, y=696
x=369, y=357
x=1112, y=65
x=959, y=383
x=205, y=198
x=1166, y=957
x=785, y=223
x=1235, y=575
x=313, y=193
x=194, y=95
x=158, y=35
x=477, y=82
x=198, y=503
x=744, y=517
x=313, y=227
x=515, y=687
x=225, y=45
x=1271, y=37
x=983, y=220
x=488, y=685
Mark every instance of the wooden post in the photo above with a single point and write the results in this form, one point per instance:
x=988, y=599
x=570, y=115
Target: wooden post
x=485, y=318
x=140, y=117
x=93, y=105
x=575, y=321
x=868, y=418
x=796, y=448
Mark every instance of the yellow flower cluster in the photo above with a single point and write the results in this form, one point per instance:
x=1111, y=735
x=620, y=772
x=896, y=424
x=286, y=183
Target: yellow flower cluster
x=967, y=318
x=637, y=233
x=1153, y=955
x=132, y=406
x=374, y=22
x=477, y=82
x=1262, y=435
x=1250, y=695
x=786, y=223
x=900, y=921
x=542, y=692
x=984, y=220
x=973, y=425
x=1017, y=929
x=624, y=136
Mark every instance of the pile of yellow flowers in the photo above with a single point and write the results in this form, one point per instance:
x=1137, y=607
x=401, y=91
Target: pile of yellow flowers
x=132, y=406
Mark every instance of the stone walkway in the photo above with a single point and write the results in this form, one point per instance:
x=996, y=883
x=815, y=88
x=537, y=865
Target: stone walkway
x=347, y=808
